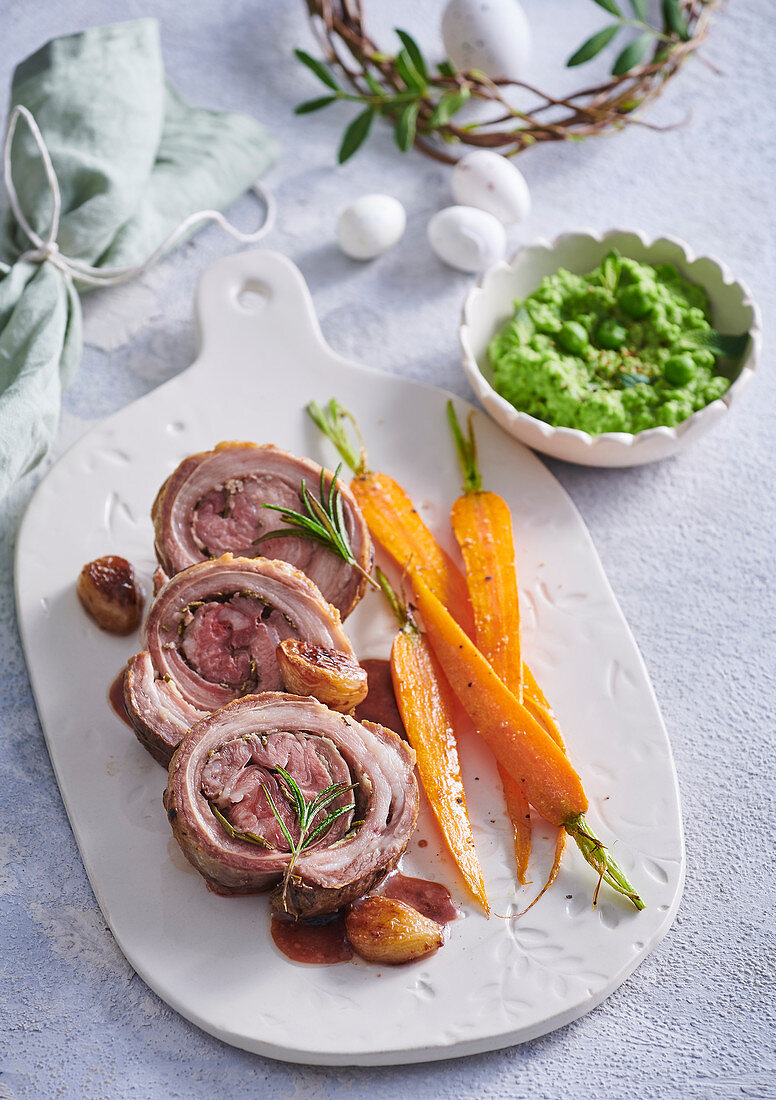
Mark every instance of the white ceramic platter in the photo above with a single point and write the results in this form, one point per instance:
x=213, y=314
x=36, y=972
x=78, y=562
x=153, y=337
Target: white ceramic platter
x=496, y=982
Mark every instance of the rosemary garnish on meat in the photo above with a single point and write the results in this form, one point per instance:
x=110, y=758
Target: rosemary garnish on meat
x=237, y=834
x=322, y=521
x=306, y=813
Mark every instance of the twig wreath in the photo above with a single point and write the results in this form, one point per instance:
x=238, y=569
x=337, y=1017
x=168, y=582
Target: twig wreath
x=421, y=100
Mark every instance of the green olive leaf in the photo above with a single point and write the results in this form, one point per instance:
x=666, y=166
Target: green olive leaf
x=414, y=53
x=406, y=125
x=633, y=53
x=639, y=9
x=413, y=81
x=446, y=68
x=609, y=5
x=447, y=106
x=374, y=85
x=311, y=105
x=317, y=67
x=356, y=134
x=674, y=20
x=593, y=45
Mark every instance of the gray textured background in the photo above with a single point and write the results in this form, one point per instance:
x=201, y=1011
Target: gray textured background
x=688, y=545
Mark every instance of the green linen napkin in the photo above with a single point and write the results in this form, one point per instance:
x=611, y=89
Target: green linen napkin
x=132, y=161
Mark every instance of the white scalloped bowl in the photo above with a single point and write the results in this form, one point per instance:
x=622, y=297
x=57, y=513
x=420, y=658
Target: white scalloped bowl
x=491, y=303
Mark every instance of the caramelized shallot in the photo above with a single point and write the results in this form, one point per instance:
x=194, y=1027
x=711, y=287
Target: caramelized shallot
x=384, y=930
x=334, y=678
x=108, y=591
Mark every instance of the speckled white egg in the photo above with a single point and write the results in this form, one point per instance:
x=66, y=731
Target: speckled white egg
x=466, y=238
x=491, y=182
x=370, y=226
x=491, y=35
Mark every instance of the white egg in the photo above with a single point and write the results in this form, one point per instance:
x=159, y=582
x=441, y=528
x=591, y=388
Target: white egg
x=491, y=182
x=491, y=35
x=466, y=238
x=370, y=226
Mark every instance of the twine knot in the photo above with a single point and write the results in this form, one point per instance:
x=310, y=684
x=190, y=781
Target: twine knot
x=46, y=250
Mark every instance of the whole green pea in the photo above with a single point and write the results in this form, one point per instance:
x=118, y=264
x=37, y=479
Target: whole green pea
x=679, y=369
x=572, y=337
x=611, y=335
x=636, y=301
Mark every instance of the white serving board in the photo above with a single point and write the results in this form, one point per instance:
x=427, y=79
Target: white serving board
x=496, y=982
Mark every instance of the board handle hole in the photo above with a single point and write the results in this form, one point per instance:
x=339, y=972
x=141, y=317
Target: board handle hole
x=253, y=296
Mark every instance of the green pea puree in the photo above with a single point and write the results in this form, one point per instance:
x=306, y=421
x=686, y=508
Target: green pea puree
x=616, y=350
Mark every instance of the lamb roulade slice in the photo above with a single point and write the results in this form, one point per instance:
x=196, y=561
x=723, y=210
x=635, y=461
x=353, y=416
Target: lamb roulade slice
x=212, y=635
x=213, y=504
x=224, y=774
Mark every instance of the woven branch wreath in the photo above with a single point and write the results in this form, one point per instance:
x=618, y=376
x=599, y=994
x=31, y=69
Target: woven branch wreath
x=421, y=101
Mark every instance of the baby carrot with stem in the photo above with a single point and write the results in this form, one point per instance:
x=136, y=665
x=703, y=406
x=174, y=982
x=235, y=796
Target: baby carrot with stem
x=482, y=524
x=396, y=525
x=427, y=706
x=391, y=517
x=517, y=740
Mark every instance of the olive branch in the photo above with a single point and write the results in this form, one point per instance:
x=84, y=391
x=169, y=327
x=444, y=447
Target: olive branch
x=421, y=101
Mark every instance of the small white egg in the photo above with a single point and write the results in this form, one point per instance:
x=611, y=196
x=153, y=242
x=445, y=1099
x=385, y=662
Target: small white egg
x=466, y=238
x=491, y=35
x=491, y=182
x=370, y=226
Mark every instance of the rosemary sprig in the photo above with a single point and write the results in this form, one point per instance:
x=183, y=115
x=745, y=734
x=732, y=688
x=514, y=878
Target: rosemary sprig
x=237, y=834
x=322, y=521
x=306, y=813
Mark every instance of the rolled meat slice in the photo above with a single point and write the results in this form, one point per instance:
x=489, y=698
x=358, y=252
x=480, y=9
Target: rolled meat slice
x=223, y=775
x=212, y=635
x=213, y=503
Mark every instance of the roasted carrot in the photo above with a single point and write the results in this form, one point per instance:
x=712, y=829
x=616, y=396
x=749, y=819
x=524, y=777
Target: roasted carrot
x=392, y=518
x=519, y=812
x=482, y=525
x=519, y=743
x=427, y=707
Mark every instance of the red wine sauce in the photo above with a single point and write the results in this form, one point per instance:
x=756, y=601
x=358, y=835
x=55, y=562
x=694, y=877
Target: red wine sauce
x=116, y=698
x=431, y=899
x=319, y=943
x=380, y=703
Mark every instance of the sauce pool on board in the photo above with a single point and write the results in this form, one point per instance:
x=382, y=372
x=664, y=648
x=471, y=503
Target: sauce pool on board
x=116, y=698
x=324, y=942
x=320, y=943
x=380, y=703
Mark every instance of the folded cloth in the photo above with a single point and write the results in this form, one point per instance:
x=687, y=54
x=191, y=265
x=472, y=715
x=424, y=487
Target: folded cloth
x=132, y=161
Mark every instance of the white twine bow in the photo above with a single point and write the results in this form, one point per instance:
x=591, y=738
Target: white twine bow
x=46, y=249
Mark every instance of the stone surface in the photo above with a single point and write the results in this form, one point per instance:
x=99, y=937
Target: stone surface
x=688, y=546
